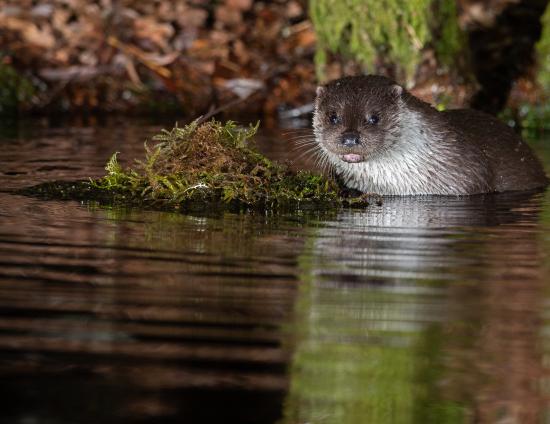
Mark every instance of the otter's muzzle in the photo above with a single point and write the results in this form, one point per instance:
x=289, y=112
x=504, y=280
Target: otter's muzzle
x=350, y=139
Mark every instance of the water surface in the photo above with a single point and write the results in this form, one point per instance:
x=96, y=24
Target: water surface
x=422, y=310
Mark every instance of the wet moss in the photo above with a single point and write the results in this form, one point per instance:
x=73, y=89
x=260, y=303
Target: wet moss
x=210, y=164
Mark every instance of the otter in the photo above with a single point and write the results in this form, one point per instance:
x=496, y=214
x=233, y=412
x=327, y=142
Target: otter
x=381, y=139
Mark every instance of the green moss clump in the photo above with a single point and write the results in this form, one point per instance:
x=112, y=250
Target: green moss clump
x=15, y=90
x=204, y=164
x=393, y=31
x=543, y=52
x=447, y=37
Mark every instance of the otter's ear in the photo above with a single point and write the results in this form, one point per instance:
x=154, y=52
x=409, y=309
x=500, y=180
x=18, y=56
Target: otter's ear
x=397, y=90
x=320, y=90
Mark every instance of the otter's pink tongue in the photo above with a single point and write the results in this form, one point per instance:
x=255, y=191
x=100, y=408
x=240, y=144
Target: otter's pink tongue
x=352, y=157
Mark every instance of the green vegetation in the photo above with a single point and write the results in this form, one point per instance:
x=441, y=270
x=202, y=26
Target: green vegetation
x=387, y=31
x=448, y=39
x=528, y=116
x=534, y=113
x=203, y=164
x=543, y=52
x=15, y=90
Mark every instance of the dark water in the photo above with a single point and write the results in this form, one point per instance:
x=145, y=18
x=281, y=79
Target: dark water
x=423, y=310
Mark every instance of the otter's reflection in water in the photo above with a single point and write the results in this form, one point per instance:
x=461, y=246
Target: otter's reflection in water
x=425, y=310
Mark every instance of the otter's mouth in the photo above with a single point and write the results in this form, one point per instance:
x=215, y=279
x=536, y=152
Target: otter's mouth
x=352, y=158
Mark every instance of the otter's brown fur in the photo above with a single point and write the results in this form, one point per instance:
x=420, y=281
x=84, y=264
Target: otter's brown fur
x=380, y=138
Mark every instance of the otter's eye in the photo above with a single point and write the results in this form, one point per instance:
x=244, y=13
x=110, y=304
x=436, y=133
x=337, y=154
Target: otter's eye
x=334, y=119
x=373, y=119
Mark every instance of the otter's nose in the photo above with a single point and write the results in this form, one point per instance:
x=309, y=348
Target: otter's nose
x=350, y=139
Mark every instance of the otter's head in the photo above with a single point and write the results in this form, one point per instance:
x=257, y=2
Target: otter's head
x=356, y=118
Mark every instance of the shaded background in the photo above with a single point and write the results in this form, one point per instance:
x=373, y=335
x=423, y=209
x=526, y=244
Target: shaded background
x=188, y=57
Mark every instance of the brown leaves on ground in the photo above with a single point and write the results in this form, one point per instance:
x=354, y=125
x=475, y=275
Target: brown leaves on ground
x=122, y=55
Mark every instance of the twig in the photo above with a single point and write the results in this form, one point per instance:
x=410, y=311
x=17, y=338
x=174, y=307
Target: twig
x=234, y=102
x=140, y=55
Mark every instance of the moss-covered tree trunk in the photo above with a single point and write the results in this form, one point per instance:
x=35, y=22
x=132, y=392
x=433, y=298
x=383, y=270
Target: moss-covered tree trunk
x=543, y=53
x=409, y=40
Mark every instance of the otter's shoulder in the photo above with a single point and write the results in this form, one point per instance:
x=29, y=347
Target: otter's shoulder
x=514, y=165
x=477, y=122
x=483, y=130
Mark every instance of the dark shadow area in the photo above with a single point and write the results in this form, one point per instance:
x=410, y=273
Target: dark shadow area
x=504, y=51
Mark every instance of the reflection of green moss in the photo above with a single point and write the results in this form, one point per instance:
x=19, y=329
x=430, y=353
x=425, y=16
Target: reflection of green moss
x=15, y=90
x=362, y=358
x=390, y=30
x=347, y=384
x=203, y=164
x=430, y=407
x=348, y=369
x=225, y=233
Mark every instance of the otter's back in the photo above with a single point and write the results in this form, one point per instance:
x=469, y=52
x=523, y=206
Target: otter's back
x=513, y=163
